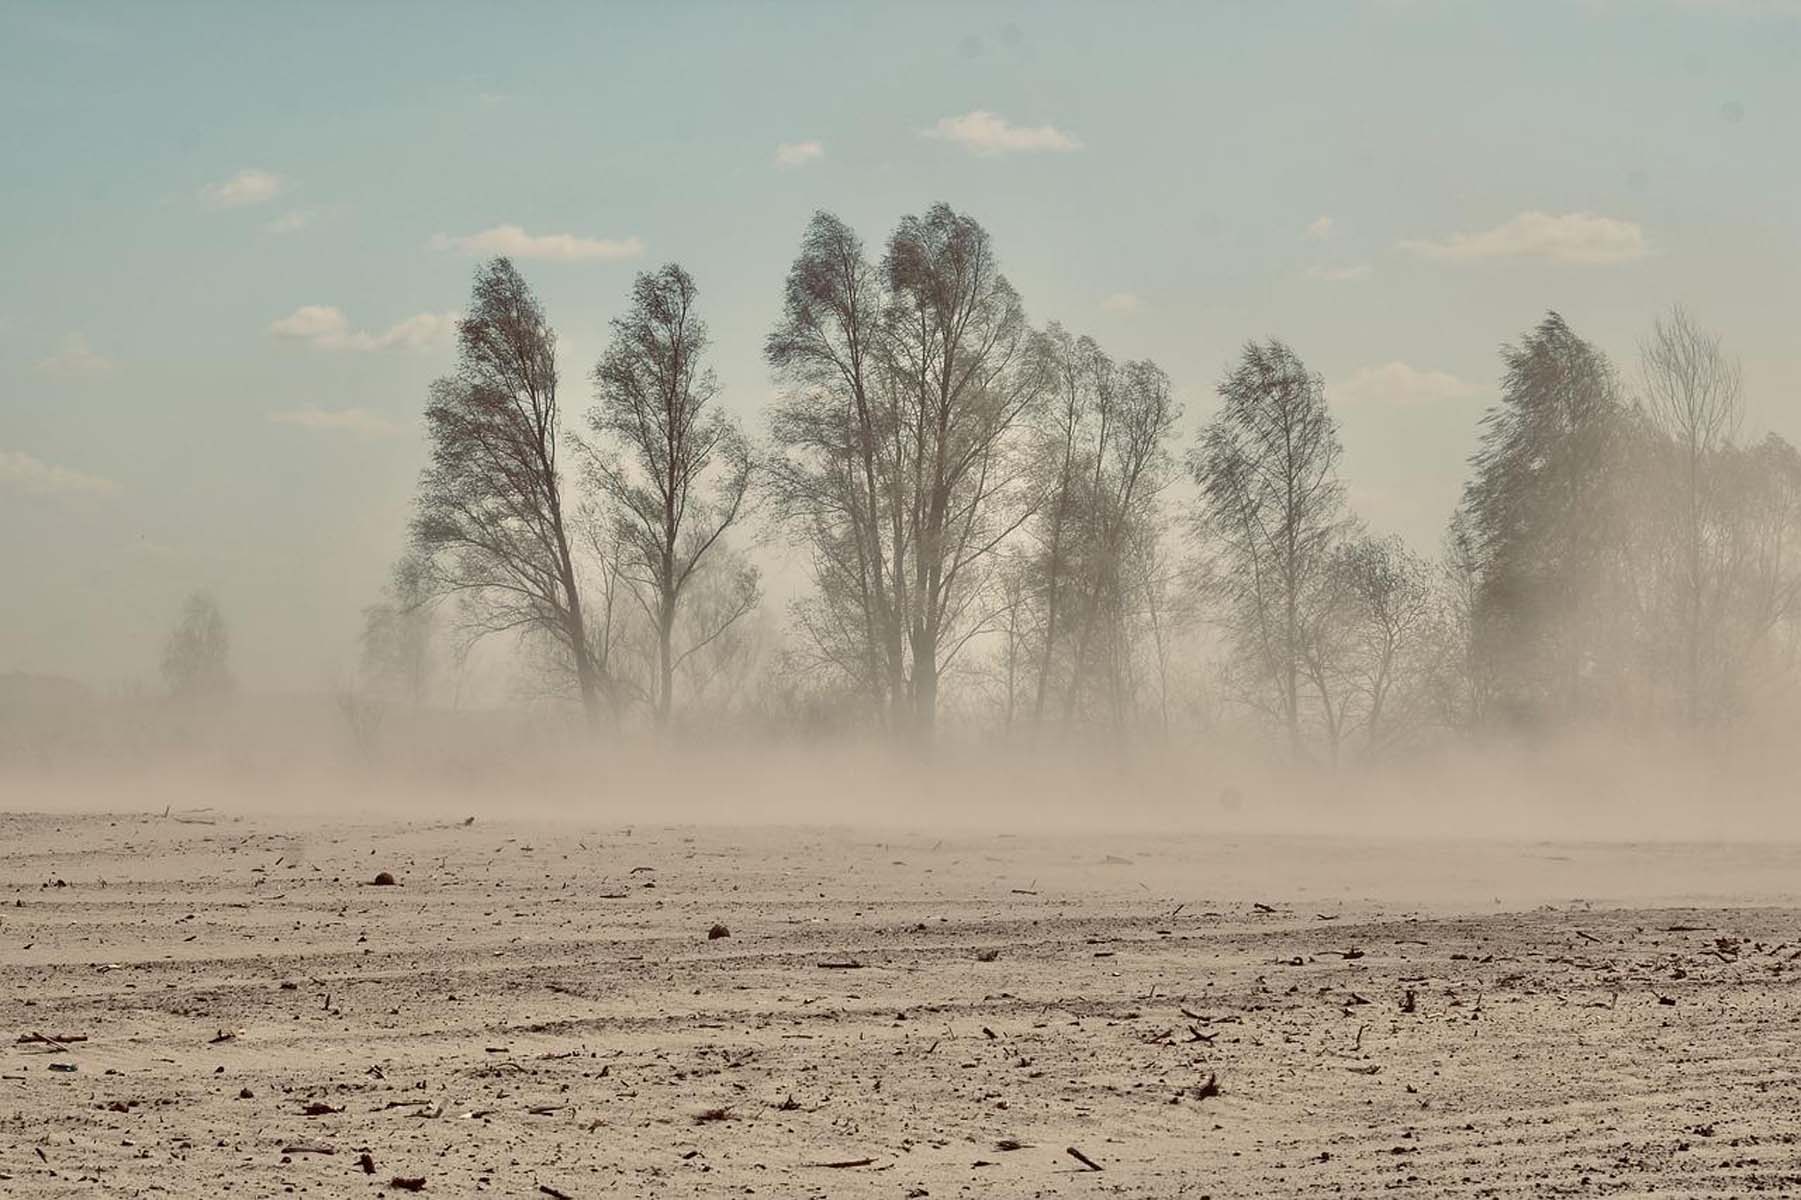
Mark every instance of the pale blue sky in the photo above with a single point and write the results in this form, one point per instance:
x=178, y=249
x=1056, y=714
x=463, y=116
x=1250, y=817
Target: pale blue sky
x=181, y=179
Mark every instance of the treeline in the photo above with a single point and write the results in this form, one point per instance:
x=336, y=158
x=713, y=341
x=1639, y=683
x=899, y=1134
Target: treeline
x=987, y=512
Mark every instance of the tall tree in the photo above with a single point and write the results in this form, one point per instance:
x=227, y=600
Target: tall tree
x=1272, y=511
x=1066, y=433
x=1692, y=391
x=672, y=469
x=901, y=435
x=197, y=655
x=489, y=520
x=1134, y=415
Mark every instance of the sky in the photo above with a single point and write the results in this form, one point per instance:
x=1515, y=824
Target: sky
x=235, y=237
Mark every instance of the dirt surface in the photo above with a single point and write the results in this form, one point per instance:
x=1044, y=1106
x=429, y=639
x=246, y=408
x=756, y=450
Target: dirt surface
x=539, y=1010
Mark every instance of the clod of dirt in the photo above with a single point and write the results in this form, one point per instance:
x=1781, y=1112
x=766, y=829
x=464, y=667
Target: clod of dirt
x=717, y=932
x=410, y=1183
x=705, y=1116
x=385, y=880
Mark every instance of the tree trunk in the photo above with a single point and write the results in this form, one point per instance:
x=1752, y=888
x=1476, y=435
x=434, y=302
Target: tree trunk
x=665, y=661
x=925, y=685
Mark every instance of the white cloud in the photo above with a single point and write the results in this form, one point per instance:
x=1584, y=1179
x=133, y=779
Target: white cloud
x=798, y=154
x=358, y=421
x=1319, y=230
x=291, y=221
x=1396, y=383
x=1569, y=237
x=249, y=186
x=328, y=328
x=1340, y=274
x=20, y=472
x=982, y=132
x=75, y=359
x=514, y=242
x=1121, y=302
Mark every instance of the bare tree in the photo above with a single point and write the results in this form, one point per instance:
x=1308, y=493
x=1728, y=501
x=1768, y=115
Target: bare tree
x=1271, y=512
x=900, y=433
x=1378, y=655
x=196, y=657
x=1693, y=393
x=1076, y=368
x=674, y=472
x=1128, y=470
x=397, y=634
x=490, y=513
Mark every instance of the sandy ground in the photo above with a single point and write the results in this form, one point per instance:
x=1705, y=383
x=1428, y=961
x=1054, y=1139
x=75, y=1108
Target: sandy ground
x=537, y=1010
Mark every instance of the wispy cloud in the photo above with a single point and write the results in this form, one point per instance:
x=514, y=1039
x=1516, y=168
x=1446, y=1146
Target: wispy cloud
x=1569, y=237
x=21, y=473
x=249, y=186
x=328, y=328
x=1319, y=230
x=1397, y=383
x=75, y=359
x=1340, y=274
x=291, y=221
x=358, y=421
x=983, y=132
x=1121, y=302
x=798, y=154
x=514, y=242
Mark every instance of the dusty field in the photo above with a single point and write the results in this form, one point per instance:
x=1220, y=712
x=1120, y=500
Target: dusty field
x=538, y=1010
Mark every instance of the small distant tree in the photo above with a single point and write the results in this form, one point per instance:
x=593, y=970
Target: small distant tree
x=672, y=471
x=396, y=641
x=196, y=657
x=1375, y=668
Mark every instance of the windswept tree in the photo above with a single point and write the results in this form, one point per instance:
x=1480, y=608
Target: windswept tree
x=837, y=480
x=901, y=433
x=1271, y=515
x=197, y=655
x=1545, y=515
x=673, y=472
x=490, y=522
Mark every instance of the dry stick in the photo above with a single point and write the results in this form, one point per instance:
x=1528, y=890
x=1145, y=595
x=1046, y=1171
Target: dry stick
x=838, y=1166
x=1083, y=1159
